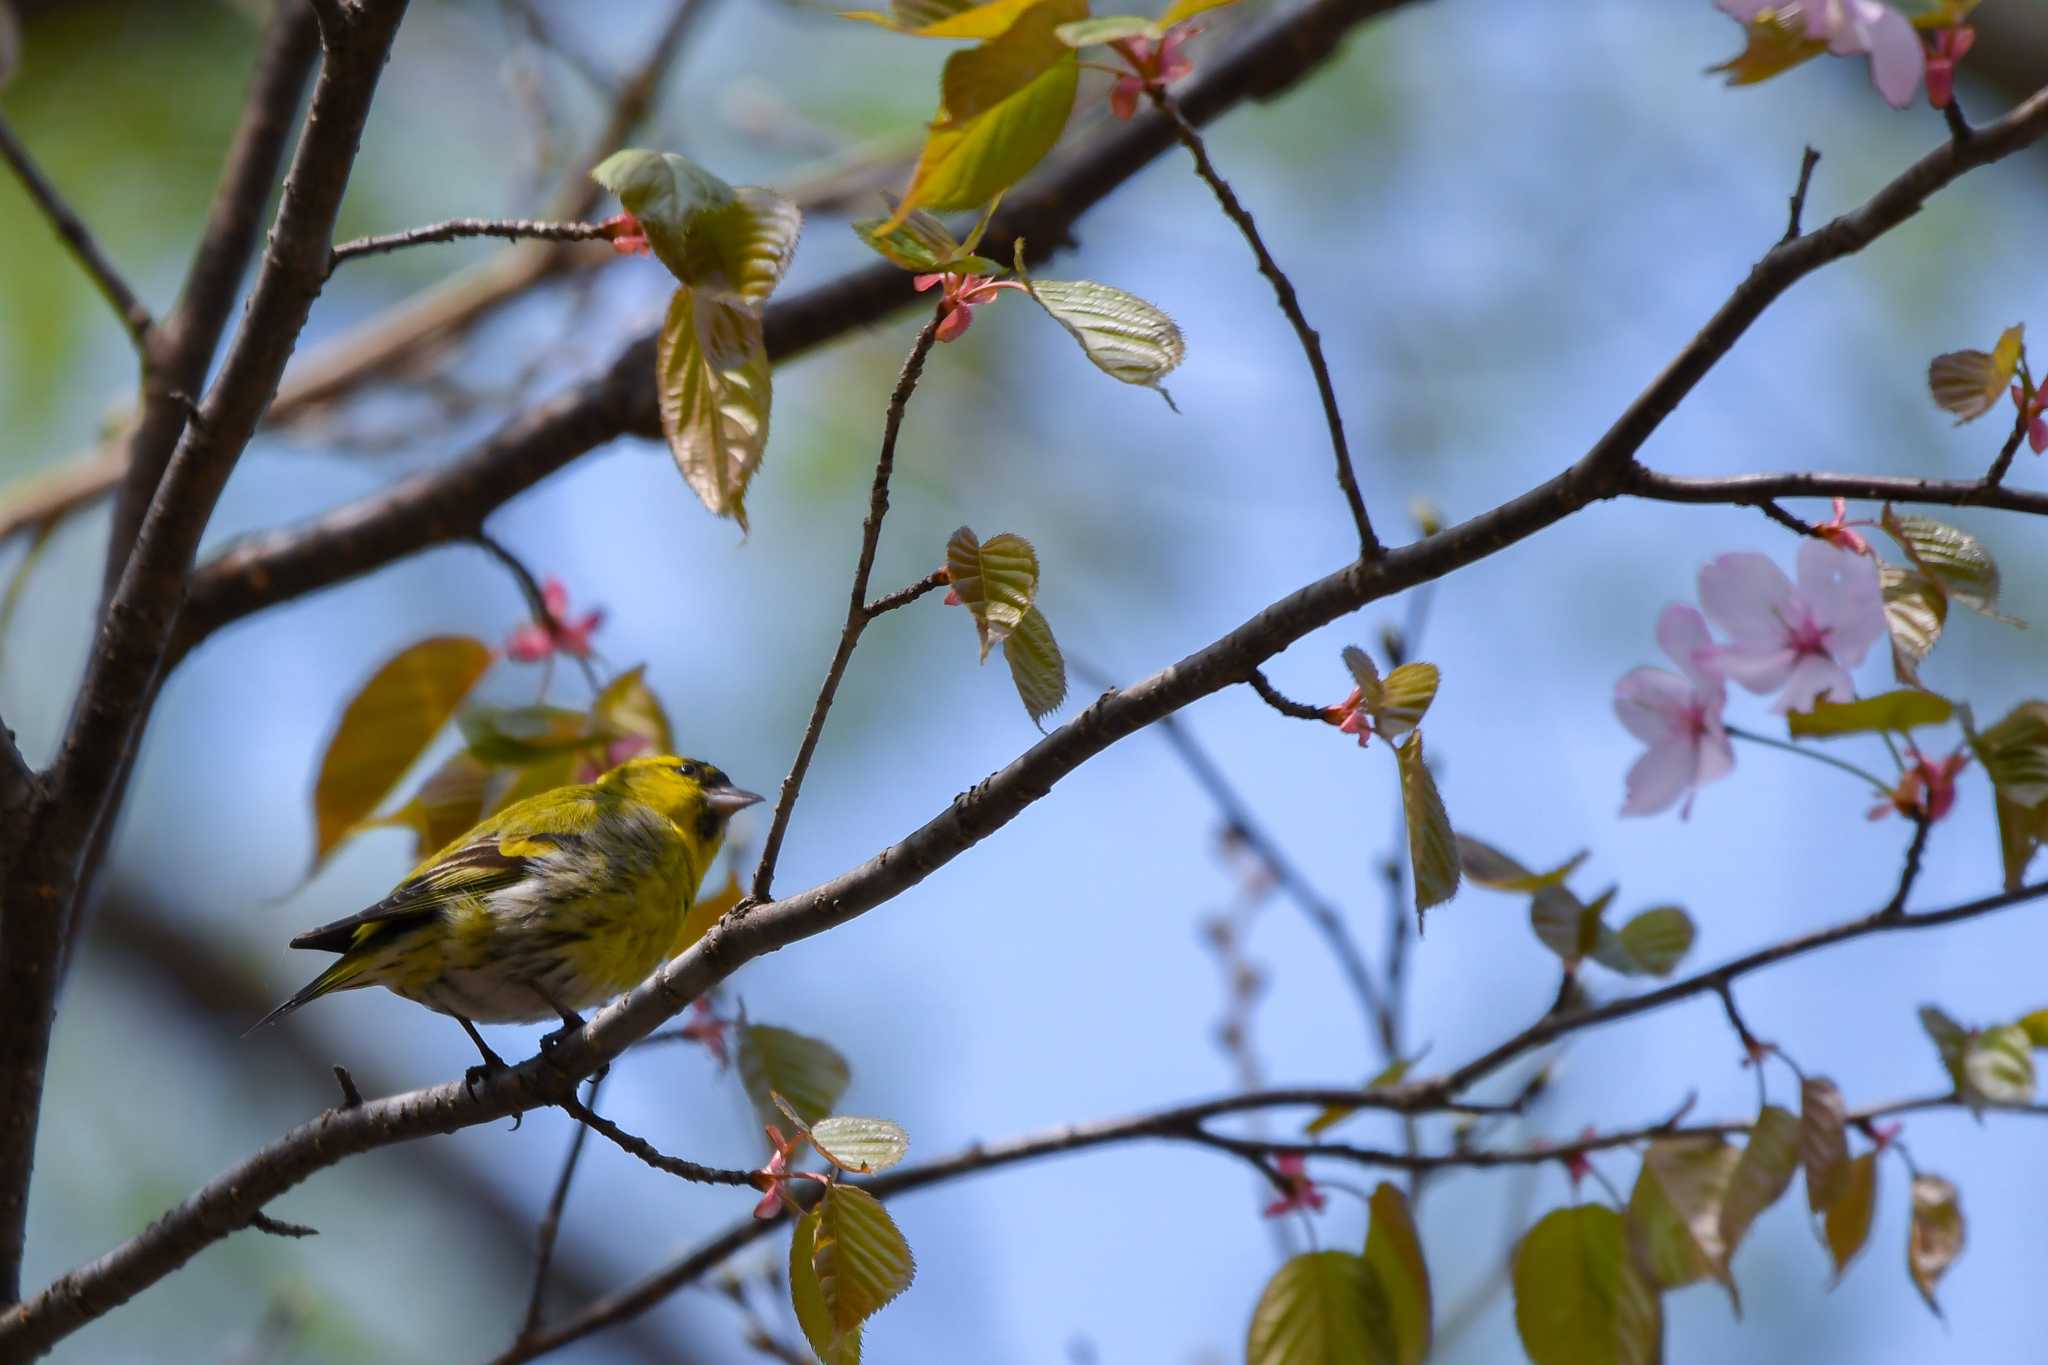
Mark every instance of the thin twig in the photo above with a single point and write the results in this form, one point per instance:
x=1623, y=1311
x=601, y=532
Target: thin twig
x=536, y=600
x=1996, y=474
x=134, y=314
x=1910, y=873
x=1771, y=508
x=511, y=229
x=551, y=1219
x=1958, y=127
x=1283, y=703
x=351, y=1098
x=903, y=597
x=857, y=612
x=1807, y=161
x=1754, y=1049
x=1283, y=289
x=647, y=1152
x=277, y=1227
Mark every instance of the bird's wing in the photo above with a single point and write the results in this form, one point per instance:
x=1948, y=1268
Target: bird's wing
x=483, y=865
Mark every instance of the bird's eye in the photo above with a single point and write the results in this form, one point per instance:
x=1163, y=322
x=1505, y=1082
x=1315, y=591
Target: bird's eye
x=687, y=769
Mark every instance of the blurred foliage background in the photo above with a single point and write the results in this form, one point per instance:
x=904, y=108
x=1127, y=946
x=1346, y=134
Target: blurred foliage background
x=1503, y=219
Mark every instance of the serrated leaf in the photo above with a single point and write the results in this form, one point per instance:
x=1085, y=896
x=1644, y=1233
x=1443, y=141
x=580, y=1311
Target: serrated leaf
x=1674, y=1212
x=1318, y=1309
x=1486, y=865
x=1935, y=1237
x=1393, y=1257
x=861, y=1146
x=1036, y=666
x=1122, y=335
x=946, y=18
x=807, y=1072
x=1823, y=1142
x=1849, y=1214
x=627, y=706
x=1887, y=712
x=860, y=1255
x=1364, y=675
x=2014, y=753
x=445, y=806
x=1405, y=696
x=386, y=727
x=1776, y=42
x=1761, y=1176
x=1002, y=107
x=1432, y=844
x=1110, y=28
x=741, y=249
x=996, y=580
x=807, y=1298
x=1953, y=558
x=1652, y=943
x=1579, y=1297
x=1915, y=609
x=520, y=735
x=1997, y=1067
x=1967, y=383
x=714, y=388
x=667, y=193
x=1567, y=925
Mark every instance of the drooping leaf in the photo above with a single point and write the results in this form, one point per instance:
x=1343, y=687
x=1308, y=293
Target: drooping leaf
x=520, y=735
x=1652, y=943
x=446, y=804
x=627, y=706
x=740, y=250
x=1579, y=1297
x=714, y=389
x=1915, y=609
x=1953, y=558
x=1888, y=712
x=1405, y=696
x=1847, y=1223
x=1318, y=1309
x=1967, y=383
x=1036, y=666
x=807, y=1297
x=1122, y=335
x=1674, y=1212
x=1002, y=107
x=946, y=18
x=996, y=580
x=1432, y=844
x=1935, y=1238
x=2014, y=753
x=1485, y=865
x=1823, y=1143
x=862, y=1146
x=860, y=1255
x=1761, y=1176
x=807, y=1072
x=1776, y=42
x=668, y=194
x=385, y=728
x=2022, y=830
x=1393, y=1257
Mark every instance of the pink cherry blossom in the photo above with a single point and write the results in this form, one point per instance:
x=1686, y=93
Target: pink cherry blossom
x=536, y=640
x=1159, y=63
x=1950, y=46
x=1301, y=1191
x=1679, y=717
x=963, y=294
x=1851, y=28
x=1804, y=639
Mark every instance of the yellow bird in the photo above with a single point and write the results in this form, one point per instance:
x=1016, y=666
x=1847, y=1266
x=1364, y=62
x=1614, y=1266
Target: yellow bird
x=553, y=905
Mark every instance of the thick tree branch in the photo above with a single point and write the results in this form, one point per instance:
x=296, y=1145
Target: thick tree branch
x=92, y=258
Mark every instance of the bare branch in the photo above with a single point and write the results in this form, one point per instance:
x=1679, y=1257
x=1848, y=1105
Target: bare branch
x=1807, y=161
x=903, y=597
x=1281, y=702
x=1996, y=474
x=551, y=1220
x=134, y=314
x=511, y=229
x=647, y=1152
x=1910, y=873
x=1754, y=489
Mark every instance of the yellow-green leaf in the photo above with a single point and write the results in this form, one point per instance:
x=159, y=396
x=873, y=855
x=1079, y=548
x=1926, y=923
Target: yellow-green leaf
x=1967, y=383
x=1393, y=1255
x=1317, y=1309
x=1761, y=1176
x=862, y=1146
x=385, y=728
x=995, y=580
x=1180, y=11
x=627, y=706
x=1997, y=1067
x=667, y=193
x=1569, y=926
x=1579, y=1297
x=1823, y=1143
x=1364, y=674
x=1110, y=28
x=1915, y=609
x=1486, y=865
x=1776, y=42
x=1390, y=1075
x=1935, y=1238
x=945, y=18
x=1122, y=335
x=1674, y=1212
x=1652, y=943
x=924, y=244
x=1036, y=666
x=2035, y=1026
x=519, y=735
x=714, y=388
x=1405, y=696
x=860, y=1255
x=1847, y=1223
x=1887, y=712
x=2014, y=753
x=741, y=249
x=807, y=1072
x=1432, y=844
x=1003, y=106
x=807, y=1298
x=2022, y=830
x=1953, y=558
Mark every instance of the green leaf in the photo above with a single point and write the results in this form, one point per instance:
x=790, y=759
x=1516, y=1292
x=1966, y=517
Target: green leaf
x=1319, y=1309
x=1036, y=666
x=1652, y=943
x=668, y=194
x=862, y=1146
x=385, y=728
x=445, y=806
x=1432, y=845
x=2022, y=831
x=713, y=386
x=946, y=18
x=807, y=1072
x=1674, y=1212
x=1967, y=383
x=1935, y=1238
x=1847, y=1224
x=1486, y=865
x=627, y=706
x=2035, y=1026
x=1761, y=1176
x=1002, y=107
x=924, y=244
x=1122, y=335
x=1393, y=1257
x=860, y=1255
x=1954, y=559
x=2014, y=753
x=1110, y=28
x=741, y=250
x=521, y=735
x=1888, y=712
x=1915, y=609
x=995, y=580
x=1180, y=11
x=1998, y=1067
x=1579, y=1297
x=1567, y=925
x=807, y=1297
x=1823, y=1144
x=1776, y=42
x=1405, y=696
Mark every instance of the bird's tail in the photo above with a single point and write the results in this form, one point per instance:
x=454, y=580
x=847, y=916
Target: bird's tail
x=339, y=976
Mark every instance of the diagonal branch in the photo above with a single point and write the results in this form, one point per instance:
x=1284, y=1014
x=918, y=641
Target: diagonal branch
x=134, y=314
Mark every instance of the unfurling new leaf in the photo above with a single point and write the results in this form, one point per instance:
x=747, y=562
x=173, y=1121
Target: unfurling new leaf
x=861, y=1146
x=996, y=580
x=807, y=1297
x=1432, y=845
x=1122, y=335
x=1967, y=383
x=1036, y=666
x=860, y=1256
x=811, y=1075
x=713, y=385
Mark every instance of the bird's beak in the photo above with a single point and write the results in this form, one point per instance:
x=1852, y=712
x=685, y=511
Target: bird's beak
x=726, y=800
